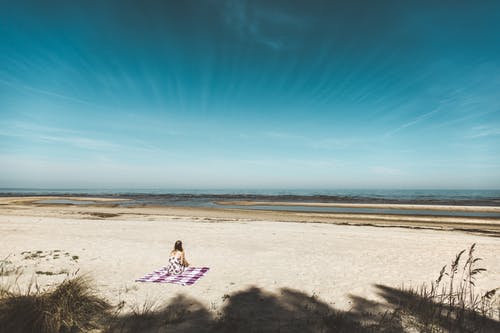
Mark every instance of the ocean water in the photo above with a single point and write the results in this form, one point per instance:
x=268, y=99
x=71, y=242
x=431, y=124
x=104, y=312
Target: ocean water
x=203, y=197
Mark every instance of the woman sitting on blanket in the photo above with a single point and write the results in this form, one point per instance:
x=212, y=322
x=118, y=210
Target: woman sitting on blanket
x=177, y=261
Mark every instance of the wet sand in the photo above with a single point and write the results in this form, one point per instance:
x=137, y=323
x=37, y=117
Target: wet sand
x=109, y=208
x=489, y=209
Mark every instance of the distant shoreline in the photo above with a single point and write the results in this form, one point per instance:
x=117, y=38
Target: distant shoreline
x=109, y=210
x=208, y=202
x=492, y=209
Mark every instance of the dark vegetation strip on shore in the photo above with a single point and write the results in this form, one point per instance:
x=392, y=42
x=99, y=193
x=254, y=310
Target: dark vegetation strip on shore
x=391, y=211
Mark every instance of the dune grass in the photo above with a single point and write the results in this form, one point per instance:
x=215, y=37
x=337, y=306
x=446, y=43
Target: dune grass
x=71, y=306
x=452, y=302
x=7, y=268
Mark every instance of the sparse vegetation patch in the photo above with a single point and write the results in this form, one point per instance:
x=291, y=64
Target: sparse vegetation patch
x=72, y=306
x=7, y=267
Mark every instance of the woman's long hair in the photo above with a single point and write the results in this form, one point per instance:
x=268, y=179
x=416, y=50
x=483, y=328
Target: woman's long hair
x=178, y=246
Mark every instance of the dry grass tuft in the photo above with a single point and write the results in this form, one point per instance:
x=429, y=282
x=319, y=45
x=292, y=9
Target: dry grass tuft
x=7, y=268
x=452, y=302
x=71, y=306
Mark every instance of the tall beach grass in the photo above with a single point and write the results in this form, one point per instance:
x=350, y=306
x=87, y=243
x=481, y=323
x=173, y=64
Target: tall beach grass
x=453, y=302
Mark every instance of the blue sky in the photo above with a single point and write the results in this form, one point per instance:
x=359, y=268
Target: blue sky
x=250, y=94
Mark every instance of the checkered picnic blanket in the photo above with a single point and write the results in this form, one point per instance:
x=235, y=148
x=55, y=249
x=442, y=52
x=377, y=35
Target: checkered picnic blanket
x=188, y=277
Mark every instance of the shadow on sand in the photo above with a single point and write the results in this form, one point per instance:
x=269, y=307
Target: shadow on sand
x=254, y=310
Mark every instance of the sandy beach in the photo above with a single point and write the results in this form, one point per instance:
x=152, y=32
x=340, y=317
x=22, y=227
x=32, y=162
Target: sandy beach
x=336, y=263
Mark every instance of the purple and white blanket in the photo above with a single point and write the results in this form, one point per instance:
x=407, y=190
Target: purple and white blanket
x=188, y=277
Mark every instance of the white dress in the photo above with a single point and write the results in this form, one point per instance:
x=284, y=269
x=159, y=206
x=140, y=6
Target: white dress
x=175, y=266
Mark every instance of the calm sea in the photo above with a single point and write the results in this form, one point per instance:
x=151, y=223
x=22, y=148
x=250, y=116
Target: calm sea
x=207, y=197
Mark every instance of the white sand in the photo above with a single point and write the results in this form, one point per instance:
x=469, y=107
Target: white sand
x=331, y=261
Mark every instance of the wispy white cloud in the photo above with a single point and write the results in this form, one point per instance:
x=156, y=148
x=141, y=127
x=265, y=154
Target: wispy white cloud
x=314, y=143
x=63, y=136
x=413, y=122
x=385, y=171
x=77, y=141
x=81, y=142
x=483, y=131
x=30, y=89
x=260, y=24
x=293, y=163
x=36, y=128
x=284, y=136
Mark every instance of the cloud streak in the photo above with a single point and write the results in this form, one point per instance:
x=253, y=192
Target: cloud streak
x=251, y=20
x=413, y=122
x=76, y=141
x=314, y=143
x=26, y=88
x=484, y=131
